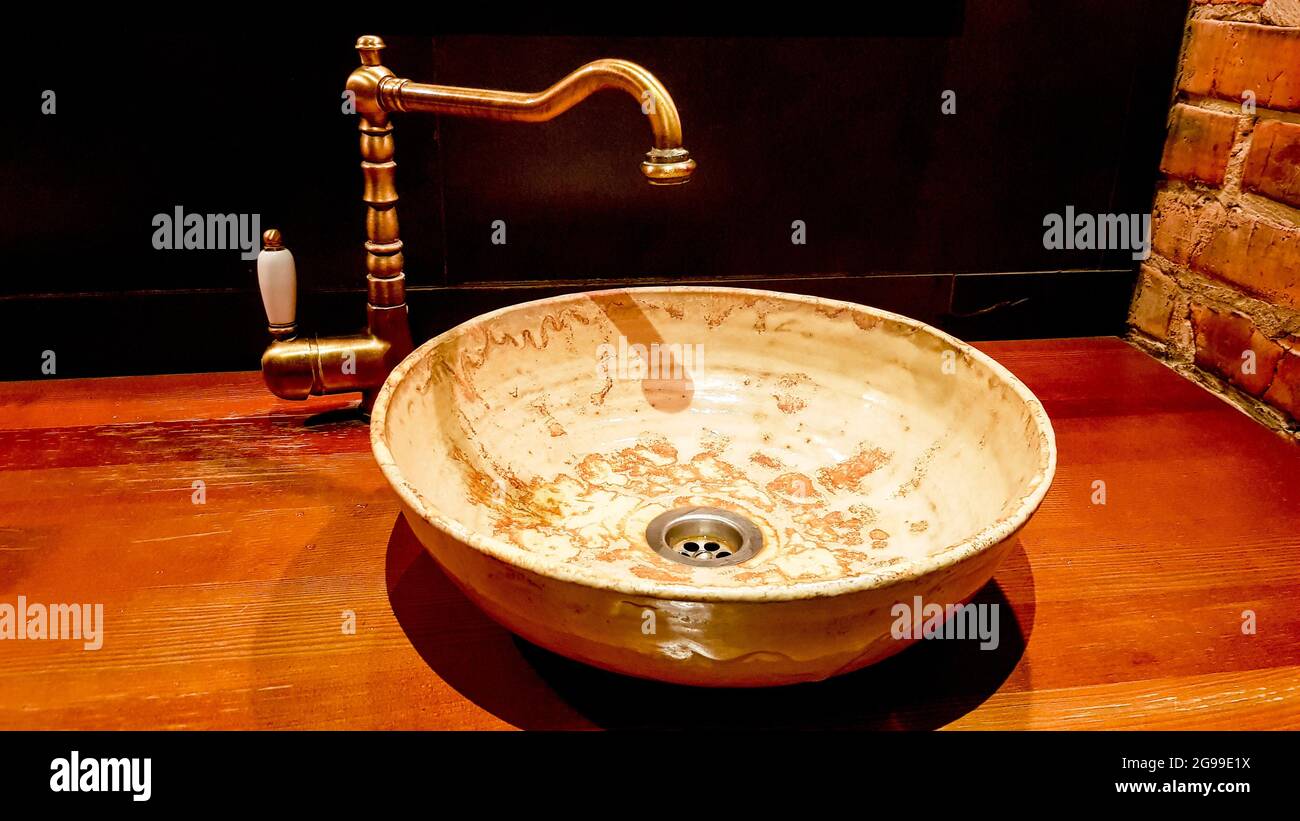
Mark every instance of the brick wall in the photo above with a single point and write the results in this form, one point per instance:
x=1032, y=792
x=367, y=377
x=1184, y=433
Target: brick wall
x=1219, y=297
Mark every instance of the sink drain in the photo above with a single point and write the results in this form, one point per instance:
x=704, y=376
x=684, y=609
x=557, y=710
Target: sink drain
x=704, y=536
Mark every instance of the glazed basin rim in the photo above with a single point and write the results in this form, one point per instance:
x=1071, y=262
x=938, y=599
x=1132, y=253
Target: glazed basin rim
x=510, y=554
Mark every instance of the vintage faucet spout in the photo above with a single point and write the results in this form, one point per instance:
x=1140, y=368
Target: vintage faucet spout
x=667, y=161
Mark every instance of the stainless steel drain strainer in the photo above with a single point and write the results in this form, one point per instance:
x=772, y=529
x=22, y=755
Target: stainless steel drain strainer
x=704, y=536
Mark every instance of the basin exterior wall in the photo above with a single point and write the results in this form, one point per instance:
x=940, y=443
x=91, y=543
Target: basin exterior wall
x=701, y=643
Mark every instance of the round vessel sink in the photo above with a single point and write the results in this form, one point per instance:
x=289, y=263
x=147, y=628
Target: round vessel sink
x=711, y=486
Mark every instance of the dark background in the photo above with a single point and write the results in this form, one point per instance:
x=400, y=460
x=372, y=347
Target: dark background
x=833, y=122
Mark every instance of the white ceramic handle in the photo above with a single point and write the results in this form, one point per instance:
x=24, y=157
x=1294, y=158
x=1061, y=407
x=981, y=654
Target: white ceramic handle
x=279, y=283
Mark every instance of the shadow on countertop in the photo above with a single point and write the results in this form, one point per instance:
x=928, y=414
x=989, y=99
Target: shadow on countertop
x=925, y=687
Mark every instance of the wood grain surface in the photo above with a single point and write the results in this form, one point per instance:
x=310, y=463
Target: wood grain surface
x=230, y=613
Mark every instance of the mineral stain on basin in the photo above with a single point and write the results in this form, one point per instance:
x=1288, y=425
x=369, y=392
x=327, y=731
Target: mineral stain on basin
x=876, y=459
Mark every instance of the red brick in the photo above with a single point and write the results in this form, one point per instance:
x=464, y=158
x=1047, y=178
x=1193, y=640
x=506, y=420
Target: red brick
x=1260, y=257
x=1222, y=339
x=1273, y=164
x=1284, y=393
x=1153, y=303
x=1282, y=12
x=1198, y=144
x=1180, y=220
x=1227, y=59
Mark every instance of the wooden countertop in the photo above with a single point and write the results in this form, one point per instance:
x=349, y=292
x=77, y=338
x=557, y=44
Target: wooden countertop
x=229, y=614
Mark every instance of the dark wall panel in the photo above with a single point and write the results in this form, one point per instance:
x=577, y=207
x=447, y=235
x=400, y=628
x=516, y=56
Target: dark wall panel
x=1057, y=104
x=844, y=134
x=228, y=123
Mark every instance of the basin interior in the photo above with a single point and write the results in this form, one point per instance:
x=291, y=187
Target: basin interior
x=863, y=445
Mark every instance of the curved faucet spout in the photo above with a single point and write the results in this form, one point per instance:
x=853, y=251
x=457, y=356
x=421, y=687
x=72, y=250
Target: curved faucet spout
x=405, y=95
x=666, y=163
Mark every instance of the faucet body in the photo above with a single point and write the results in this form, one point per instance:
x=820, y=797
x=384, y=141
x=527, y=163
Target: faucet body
x=296, y=368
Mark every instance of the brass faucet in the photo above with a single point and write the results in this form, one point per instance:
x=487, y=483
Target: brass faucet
x=296, y=368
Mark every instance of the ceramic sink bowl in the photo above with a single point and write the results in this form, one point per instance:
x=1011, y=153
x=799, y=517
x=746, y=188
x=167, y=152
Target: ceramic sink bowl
x=878, y=460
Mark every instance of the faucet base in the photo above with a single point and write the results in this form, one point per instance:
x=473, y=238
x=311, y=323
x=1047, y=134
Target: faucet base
x=320, y=366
